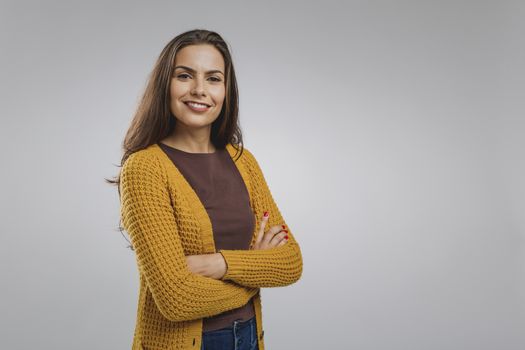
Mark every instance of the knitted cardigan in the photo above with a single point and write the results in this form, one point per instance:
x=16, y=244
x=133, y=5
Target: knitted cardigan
x=166, y=221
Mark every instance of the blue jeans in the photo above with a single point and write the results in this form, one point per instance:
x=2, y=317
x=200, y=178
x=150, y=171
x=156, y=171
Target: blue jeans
x=238, y=336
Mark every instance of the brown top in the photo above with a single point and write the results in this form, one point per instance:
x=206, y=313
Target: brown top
x=221, y=189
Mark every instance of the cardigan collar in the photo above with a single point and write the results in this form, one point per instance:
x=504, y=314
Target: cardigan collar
x=175, y=178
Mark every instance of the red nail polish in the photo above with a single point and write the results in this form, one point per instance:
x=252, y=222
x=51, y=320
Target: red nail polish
x=286, y=231
x=286, y=237
x=283, y=226
x=265, y=214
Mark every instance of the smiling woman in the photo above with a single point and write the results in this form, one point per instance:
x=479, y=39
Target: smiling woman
x=205, y=228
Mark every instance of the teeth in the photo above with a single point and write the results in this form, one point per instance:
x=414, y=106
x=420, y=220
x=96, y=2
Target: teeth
x=198, y=105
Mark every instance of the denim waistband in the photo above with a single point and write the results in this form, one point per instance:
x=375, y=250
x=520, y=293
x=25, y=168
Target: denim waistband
x=237, y=324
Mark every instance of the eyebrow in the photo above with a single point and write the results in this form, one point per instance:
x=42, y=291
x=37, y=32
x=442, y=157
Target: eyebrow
x=193, y=70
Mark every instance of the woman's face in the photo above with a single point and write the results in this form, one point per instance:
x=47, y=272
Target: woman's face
x=198, y=76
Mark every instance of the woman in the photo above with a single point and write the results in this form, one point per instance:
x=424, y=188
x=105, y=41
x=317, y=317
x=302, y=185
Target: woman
x=205, y=229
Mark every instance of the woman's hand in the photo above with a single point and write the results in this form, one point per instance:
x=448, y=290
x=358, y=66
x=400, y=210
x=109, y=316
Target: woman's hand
x=214, y=265
x=276, y=236
x=207, y=265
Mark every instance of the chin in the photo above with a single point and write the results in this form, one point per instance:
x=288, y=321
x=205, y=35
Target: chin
x=192, y=123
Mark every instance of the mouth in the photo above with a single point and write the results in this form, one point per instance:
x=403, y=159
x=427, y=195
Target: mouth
x=197, y=106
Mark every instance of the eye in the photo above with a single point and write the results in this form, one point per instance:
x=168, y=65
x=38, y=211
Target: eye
x=184, y=75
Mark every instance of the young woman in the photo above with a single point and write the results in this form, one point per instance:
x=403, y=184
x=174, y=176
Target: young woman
x=205, y=228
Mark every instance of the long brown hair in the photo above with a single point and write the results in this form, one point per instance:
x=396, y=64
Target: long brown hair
x=153, y=120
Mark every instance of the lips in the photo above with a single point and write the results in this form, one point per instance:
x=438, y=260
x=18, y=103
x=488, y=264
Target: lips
x=201, y=103
x=198, y=108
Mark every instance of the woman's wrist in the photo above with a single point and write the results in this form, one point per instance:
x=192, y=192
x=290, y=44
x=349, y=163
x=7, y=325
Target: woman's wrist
x=219, y=266
x=208, y=265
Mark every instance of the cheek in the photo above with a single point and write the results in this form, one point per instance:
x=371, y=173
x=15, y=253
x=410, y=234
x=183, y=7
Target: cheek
x=218, y=94
x=177, y=90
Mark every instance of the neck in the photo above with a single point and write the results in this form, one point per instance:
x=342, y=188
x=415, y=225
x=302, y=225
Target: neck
x=197, y=141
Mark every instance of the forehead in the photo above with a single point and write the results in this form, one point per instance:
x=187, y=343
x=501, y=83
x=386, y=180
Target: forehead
x=200, y=57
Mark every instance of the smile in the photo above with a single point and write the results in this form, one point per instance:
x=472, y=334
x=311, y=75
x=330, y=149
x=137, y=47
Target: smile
x=197, y=106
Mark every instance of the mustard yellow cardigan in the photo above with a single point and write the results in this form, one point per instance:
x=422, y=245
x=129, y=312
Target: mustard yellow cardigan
x=166, y=221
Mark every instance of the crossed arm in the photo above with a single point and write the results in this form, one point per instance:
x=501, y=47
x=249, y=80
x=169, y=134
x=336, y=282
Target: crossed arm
x=275, y=267
x=192, y=287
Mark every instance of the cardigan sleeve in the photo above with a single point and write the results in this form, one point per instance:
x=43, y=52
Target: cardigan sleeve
x=147, y=215
x=274, y=267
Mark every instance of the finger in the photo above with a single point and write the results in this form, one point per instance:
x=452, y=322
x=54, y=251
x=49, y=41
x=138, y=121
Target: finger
x=270, y=234
x=278, y=238
x=260, y=234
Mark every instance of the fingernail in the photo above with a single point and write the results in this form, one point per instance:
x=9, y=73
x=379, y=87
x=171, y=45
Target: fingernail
x=286, y=237
x=283, y=226
x=265, y=214
x=286, y=231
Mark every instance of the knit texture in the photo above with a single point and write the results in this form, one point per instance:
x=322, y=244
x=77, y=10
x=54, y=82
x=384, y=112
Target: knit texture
x=166, y=221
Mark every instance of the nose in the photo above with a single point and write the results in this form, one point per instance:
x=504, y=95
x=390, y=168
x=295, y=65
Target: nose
x=198, y=86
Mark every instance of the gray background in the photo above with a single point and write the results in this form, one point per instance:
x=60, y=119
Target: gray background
x=391, y=134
